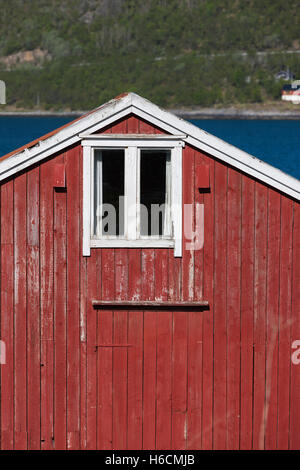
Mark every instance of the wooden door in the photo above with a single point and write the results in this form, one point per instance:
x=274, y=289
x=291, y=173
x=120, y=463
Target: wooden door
x=149, y=369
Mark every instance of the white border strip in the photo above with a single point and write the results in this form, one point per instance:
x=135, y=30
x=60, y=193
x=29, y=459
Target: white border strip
x=86, y=220
x=176, y=202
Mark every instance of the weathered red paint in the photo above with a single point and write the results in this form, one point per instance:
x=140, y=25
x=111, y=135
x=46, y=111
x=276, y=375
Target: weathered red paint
x=79, y=377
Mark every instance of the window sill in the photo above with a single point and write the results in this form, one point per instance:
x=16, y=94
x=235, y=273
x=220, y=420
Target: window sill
x=143, y=243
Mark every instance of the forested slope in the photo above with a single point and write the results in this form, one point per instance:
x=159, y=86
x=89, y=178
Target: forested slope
x=76, y=54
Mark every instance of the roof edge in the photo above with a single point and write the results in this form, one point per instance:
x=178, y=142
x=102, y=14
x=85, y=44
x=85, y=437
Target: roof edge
x=128, y=103
x=220, y=149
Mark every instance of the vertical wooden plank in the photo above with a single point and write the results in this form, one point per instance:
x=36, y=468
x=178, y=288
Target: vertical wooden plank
x=47, y=394
x=272, y=319
x=285, y=319
x=161, y=274
x=233, y=309
x=220, y=305
x=120, y=335
x=177, y=197
x=208, y=317
x=86, y=200
x=164, y=352
x=47, y=350
x=83, y=307
x=83, y=354
x=134, y=274
x=121, y=273
x=179, y=380
x=108, y=274
x=7, y=315
x=132, y=125
x=92, y=273
x=60, y=333
x=108, y=293
x=164, y=380
x=33, y=310
x=295, y=336
x=73, y=283
x=195, y=327
x=105, y=382
x=175, y=281
x=260, y=270
x=135, y=380
x=188, y=223
x=149, y=384
x=20, y=425
x=195, y=392
x=247, y=306
x=148, y=287
x=199, y=200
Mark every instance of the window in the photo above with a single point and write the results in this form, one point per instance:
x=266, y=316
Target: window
x=132, y=191
x=154, y=196
x=109, y=171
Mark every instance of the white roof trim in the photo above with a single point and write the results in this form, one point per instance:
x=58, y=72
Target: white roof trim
x=132, y=103
x=218, y=148
x=130, y=137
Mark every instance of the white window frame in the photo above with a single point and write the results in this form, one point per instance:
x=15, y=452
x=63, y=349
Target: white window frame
x=132, y=144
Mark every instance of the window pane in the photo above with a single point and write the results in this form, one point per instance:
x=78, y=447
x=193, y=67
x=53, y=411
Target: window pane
x=109, y=192
x=155, y=192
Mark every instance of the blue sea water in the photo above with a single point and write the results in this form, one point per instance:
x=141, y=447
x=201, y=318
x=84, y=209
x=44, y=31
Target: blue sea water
x=16, y=131
x=274, y=141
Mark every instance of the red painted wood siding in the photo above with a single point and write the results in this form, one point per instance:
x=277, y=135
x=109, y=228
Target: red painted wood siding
x=217, y=379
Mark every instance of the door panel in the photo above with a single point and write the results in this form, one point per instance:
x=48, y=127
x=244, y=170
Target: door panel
x=142, y=379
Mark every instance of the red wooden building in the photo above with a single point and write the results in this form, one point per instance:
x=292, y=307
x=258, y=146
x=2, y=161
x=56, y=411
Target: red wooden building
x=172, y=329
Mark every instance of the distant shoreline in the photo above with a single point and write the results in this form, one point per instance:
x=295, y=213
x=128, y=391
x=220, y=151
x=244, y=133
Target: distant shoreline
x=41, y=113
x=236, y=114
x=197, y=113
